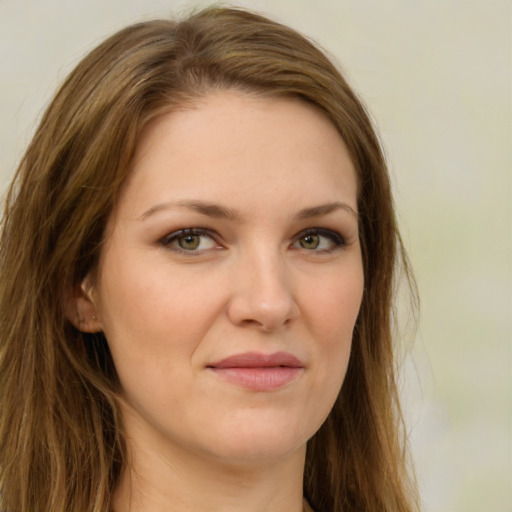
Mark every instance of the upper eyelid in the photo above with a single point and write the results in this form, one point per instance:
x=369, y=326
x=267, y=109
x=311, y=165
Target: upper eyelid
x=318, y=229
x=189, y=231
x=322, y=232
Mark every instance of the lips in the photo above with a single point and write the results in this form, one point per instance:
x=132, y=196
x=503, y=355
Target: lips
x=258, y=372
x=257, y=360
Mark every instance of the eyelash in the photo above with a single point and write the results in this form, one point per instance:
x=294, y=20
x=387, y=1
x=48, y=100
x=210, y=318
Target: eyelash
x=335, y=238
x=337, y=241
x=168, y=240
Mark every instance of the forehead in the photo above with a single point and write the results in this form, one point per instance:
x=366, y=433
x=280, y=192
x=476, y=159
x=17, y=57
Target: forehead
x=231, y=145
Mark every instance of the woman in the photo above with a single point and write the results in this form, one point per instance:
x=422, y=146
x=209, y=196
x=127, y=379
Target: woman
x=198, y=256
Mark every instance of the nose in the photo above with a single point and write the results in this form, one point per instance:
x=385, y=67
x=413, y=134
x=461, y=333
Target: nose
x=263, y=295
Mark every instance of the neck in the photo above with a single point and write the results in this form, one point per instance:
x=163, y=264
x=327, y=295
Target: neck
x=159, y=479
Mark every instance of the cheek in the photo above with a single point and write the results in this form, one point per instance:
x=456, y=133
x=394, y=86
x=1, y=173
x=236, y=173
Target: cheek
x=333, y=309
x=154, y=320
x=334, y=303
x=154, y=311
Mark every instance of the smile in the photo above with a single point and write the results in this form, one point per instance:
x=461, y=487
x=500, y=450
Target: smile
x=259, y=372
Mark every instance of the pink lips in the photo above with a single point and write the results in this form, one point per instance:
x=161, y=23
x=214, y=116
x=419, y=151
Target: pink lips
x=258, y=372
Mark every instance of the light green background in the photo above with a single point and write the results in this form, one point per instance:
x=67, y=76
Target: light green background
x=437, y=76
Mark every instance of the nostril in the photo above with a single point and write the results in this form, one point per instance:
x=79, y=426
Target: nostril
x=248, y=313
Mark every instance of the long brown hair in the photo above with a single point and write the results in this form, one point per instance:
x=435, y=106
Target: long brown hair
x=61, y=444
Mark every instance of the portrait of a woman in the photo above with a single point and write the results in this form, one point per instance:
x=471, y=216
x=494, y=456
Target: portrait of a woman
x=198, y=257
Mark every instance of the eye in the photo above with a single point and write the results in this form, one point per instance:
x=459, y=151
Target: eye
x=190, y=240
x=319, y=240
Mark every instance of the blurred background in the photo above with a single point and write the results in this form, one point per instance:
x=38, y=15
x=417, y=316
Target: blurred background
x=437, y=78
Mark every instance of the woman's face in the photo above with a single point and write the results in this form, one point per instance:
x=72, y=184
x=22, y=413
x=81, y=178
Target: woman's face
x=231, y=278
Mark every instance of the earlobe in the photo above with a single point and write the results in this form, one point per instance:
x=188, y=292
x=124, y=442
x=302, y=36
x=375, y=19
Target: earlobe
x=82, y=310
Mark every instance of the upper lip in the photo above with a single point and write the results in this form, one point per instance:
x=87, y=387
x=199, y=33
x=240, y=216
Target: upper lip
x=258, y=360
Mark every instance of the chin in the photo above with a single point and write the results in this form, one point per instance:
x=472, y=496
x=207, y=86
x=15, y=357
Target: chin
x=262, y=440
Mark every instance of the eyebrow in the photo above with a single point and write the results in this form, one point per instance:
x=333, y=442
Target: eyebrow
x=208, y=209
x=217, y=211
x=324, y=209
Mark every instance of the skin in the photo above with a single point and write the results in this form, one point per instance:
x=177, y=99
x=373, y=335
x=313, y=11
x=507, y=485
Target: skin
x=253, y=281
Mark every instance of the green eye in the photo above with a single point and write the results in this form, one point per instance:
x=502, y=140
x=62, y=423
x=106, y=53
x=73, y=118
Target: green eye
x=309, y=241
x=319, y=240
x=189, y=242
x=193, y=240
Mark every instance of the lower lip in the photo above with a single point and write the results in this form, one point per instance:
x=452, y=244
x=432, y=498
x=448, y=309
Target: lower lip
x=259, y=379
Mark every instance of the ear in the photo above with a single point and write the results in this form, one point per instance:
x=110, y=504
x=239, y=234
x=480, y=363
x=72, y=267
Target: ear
x=81, y=309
